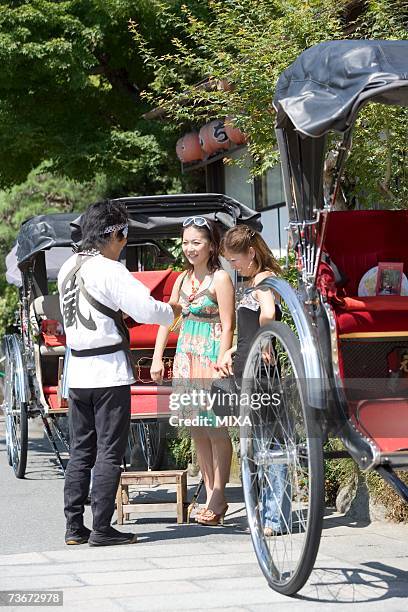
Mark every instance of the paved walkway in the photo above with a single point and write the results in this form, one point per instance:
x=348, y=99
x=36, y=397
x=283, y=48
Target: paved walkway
x=188, y=567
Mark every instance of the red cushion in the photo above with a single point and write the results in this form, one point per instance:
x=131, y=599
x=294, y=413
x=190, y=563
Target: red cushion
x=372, y=314
x=52, y=340
x=160, y=283
x=152, y=278
x=376, y=303
x=385, y=421
x=143, y=336
x=147, y=401
x=150, y=401
x=50, y=333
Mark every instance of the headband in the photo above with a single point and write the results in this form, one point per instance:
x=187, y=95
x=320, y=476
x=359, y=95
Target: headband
x=113, y=228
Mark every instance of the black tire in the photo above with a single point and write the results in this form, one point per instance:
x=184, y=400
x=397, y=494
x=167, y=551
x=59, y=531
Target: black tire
x=282, y=460
x=147, y=442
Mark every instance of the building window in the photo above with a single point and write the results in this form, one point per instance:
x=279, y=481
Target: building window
x=270, y=189
x=236, y=180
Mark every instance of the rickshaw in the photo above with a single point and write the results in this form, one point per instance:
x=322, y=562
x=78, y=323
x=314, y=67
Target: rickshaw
x=35, y=385
x=337, y=360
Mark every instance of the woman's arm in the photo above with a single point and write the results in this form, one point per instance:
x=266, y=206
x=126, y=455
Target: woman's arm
x=224, y=292
x=157, y=367
x=266, y=301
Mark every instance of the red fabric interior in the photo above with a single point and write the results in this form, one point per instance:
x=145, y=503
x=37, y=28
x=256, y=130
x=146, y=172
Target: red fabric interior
x=153, y=279
x=149, y=401
x=160, y=284
x=357, y=241
x=385, y=421
x=371, y=321
x=53, y=340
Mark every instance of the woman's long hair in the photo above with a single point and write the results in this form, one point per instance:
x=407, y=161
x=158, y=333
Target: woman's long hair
x=240, y=238
x=213, y=235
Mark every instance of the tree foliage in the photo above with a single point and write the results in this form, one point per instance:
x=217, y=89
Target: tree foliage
x=43, y=193
x=248, y=44
x=70, y=93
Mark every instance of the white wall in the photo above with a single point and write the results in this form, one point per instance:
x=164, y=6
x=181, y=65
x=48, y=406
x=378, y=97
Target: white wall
x=274, y=222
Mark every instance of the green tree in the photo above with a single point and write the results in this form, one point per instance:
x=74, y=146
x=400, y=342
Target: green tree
x=70, y=94
x=247, y=45
x=43, y=193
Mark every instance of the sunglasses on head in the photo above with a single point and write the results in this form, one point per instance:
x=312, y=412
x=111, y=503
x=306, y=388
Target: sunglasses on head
x=198, y=221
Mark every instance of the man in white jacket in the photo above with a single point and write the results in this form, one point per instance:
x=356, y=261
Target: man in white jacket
x=95, y=289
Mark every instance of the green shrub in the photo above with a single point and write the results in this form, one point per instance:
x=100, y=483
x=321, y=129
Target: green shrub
x=180, y=449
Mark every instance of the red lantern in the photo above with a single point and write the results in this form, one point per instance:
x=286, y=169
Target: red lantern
x=188, y=148
x=234, y=134
x=213, y=137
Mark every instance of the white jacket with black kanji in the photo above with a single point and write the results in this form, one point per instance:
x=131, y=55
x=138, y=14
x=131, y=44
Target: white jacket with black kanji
x=113, y=285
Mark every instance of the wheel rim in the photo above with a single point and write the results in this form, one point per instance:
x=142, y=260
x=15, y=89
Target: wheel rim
x=13, y=421
x=276, y=460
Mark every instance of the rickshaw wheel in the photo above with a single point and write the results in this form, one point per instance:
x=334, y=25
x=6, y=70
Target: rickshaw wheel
x=17, y=427
x=282, y=460
x=148, y=436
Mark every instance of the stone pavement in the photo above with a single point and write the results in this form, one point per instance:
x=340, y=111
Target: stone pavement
x=186, y=567
x=197, y=568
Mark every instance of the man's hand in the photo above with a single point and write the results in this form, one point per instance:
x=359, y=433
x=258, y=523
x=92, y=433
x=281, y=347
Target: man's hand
x=157, y=371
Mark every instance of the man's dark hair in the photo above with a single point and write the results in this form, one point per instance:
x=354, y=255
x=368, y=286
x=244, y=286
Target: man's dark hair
x=97, y=218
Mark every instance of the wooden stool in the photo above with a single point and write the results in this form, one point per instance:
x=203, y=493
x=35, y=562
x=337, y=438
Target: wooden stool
x=177, y=477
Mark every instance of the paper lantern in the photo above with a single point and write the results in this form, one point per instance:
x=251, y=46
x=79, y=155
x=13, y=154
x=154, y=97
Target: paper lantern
x=188, y=148
x=213, y=137
x=234, y=134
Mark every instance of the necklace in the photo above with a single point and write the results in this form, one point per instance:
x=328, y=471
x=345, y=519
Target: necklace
x=195, y=288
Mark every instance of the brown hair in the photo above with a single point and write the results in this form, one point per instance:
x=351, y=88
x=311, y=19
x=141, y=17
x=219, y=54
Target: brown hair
x=213, y=235
x=240, y=238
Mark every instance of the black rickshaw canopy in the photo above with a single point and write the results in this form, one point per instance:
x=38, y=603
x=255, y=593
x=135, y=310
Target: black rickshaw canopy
x=327, y=84
x=150, y=217
x=323, y=91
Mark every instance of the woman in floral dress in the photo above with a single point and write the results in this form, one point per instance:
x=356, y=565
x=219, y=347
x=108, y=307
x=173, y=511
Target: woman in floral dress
x=206, y=294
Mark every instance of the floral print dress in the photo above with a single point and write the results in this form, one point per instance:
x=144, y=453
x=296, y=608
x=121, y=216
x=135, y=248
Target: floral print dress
x=196, y=354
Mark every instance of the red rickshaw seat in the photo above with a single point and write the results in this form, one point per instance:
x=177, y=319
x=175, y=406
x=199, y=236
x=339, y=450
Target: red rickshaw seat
x=385, y=421
x=374, y=314
x=160, y=283
x=147, y=401
x=357, y=241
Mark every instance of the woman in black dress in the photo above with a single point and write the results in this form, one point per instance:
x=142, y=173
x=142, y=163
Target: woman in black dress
x=251, y=257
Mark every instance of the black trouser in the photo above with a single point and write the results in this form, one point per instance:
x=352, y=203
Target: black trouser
x=99, y=422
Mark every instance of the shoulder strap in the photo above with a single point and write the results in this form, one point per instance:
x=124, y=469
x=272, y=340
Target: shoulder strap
x=105, y=310
x=182, y=282
x=116, y=315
